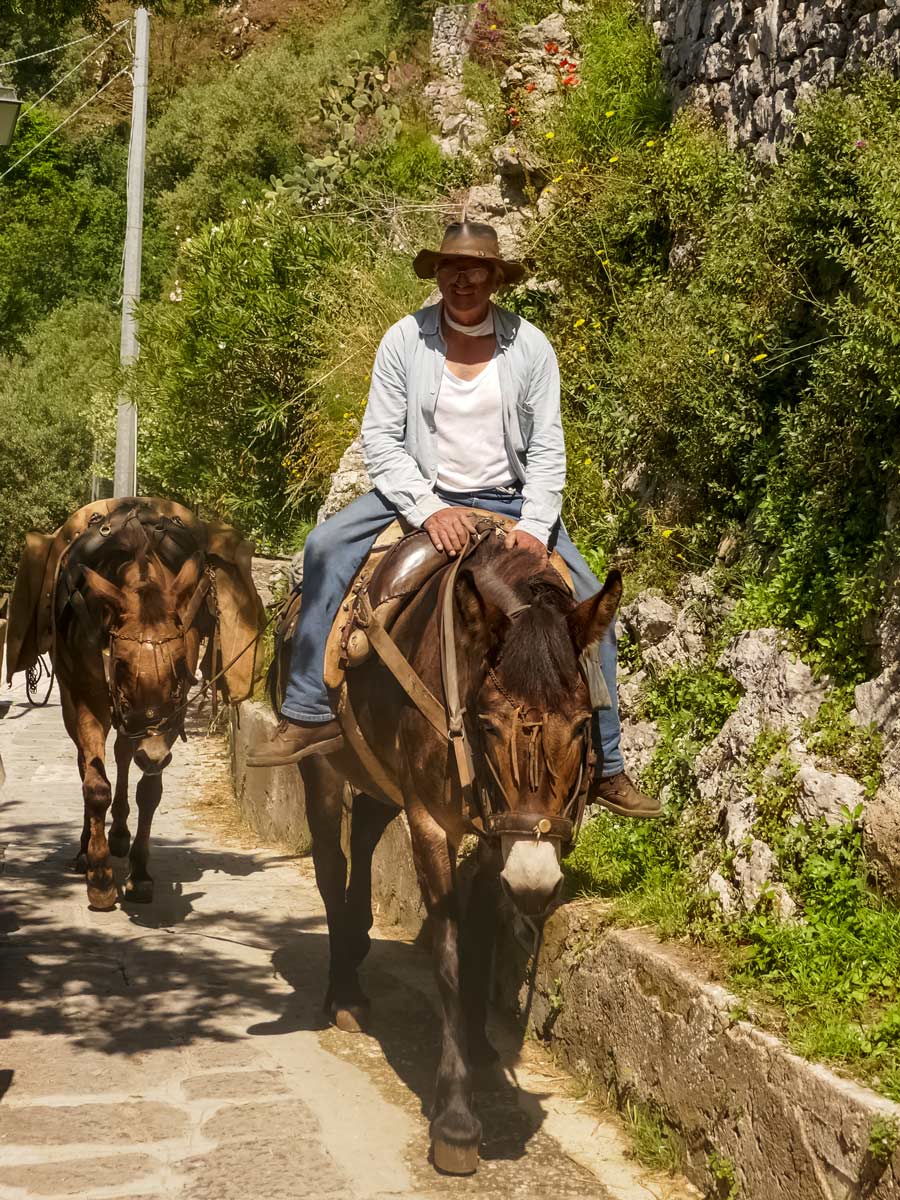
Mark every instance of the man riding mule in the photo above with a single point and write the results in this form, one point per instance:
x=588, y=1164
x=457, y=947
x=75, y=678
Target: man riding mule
x=459, y=678
x=122, y=597
x=463, y=412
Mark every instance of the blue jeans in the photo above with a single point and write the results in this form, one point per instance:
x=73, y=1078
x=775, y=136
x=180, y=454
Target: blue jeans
x=335, y=551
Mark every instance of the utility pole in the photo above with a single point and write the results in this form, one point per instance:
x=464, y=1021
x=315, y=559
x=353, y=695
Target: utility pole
x=125, y=482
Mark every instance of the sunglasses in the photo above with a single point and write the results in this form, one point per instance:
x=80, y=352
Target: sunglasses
x=472, y=275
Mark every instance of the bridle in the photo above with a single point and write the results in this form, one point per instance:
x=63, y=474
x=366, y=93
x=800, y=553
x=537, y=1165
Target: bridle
x=504, y=819
x=148, y=722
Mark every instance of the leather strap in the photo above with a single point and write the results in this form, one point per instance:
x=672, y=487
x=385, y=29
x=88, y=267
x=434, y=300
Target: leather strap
x=189, y=615
x=456, y=731
x=386, y=649
x=387, y=786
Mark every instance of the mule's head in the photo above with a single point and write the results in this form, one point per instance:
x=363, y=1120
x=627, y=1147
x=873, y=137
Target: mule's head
x=153, y=653
x=534, y=716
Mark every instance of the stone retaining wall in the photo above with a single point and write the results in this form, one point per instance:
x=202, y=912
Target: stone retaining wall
x=642, y=1018
x=751, y=63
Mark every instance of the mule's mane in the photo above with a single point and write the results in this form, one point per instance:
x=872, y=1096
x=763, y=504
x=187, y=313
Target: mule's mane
x=536, y=659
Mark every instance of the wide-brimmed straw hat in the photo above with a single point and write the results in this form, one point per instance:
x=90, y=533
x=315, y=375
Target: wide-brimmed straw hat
x=467, y=239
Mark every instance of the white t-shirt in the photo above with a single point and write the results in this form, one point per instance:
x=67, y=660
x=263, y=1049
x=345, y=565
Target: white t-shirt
x=471, y=450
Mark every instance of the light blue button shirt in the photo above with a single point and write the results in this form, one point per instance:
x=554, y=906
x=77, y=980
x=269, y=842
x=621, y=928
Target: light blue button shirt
x=398, y=429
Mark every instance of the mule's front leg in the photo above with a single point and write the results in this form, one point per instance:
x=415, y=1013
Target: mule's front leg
x=455, y=1130
x=119, y=834
x=139, y=888
x=479, y=932
x=97, y=798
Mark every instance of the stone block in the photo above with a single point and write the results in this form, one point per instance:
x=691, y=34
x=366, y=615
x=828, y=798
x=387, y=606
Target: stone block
x=271, y=800
x=395, y=888
x=834, y=40
x=785, y=71
x=638, y=1016
x=688, y=20
x=763, y=114
x=718, y=62
x=758, y=76
x=86, y=1124
x=233, y=1085
x=76, y=1177
x=789, y=40
x=811, y=24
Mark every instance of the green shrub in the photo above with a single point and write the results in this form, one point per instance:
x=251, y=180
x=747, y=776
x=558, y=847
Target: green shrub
x=225, y=362
x=54, y=396
x=735, y=335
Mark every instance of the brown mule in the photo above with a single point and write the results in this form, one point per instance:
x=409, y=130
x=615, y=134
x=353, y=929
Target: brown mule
x=509, y=631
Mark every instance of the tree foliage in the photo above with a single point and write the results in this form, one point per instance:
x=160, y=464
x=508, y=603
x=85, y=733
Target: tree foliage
x=54, y=397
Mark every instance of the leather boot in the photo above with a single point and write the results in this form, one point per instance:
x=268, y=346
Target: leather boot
x=292, y=741
x=618, y=794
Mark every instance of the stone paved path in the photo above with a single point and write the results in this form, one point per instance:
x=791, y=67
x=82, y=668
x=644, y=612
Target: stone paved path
x=178, y=1049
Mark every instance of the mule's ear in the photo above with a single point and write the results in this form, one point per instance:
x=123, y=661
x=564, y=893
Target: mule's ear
x=591, y=619
x=479, y=607
x=105, y=590
x=185, y=582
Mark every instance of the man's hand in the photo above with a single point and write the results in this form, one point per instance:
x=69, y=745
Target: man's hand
x=449, y=528
x=518, y=539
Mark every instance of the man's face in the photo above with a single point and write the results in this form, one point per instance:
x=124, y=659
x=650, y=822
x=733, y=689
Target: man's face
x=466, y=285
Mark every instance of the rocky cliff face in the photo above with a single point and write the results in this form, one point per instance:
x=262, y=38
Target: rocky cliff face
x=751, y=64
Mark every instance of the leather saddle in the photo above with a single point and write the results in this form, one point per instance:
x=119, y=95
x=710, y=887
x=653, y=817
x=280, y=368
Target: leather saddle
x=98, y=548
x=398, y=565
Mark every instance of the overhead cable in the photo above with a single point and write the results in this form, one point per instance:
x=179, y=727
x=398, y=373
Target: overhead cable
x=65, y=121
x=56, y=49
x=69, y=74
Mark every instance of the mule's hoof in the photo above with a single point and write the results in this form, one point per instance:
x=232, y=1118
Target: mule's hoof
x=119, y=844
x=102, y=899
x=351, y=1018
x=451, y=1159
x=139, y=891
x=80, y=864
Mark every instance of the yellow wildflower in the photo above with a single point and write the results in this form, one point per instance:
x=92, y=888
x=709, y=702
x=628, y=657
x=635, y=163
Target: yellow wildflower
x=549, y=134
x=557, y=179
x=588, y=461
x=667, y=533
x=759, y=357
x=650, y=142
x=712, y=350
x=615, y=158
x=493, y=27
x=569, y=161
x=610, y=112
x=582, y=346
x=578, y=323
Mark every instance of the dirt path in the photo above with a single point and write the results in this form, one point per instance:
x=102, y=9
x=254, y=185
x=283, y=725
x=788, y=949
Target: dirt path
x=178, y=1049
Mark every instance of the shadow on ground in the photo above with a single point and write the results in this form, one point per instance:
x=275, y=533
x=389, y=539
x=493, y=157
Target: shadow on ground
x=169, y=975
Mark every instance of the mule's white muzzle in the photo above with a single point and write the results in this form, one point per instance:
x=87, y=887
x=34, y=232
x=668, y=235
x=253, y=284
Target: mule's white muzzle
x=531, y=874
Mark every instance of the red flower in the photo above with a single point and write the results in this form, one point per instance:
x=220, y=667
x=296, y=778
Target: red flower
x=571, y=81
x=551, y=47
x=514, y=120
x=529, y=87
